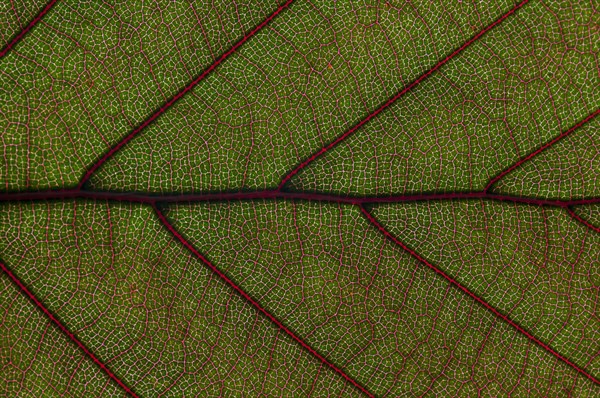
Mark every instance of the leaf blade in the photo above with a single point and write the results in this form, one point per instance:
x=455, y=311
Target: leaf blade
x=160, y=320
x=332, y=278
x=287, y=93
x=499, y=100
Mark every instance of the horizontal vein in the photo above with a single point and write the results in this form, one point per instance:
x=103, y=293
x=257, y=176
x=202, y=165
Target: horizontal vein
x=179, y=95
x=475, y=297
x=254, y=303
x=275, y=194
x=541, y=149
x=390, y=101
x=27, y=28
x=64, y=329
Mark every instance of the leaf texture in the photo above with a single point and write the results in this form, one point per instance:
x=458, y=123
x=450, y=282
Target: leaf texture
x=590, y=214
x=568, y=170
x=160, y=319
x=29, y=361
x=89, y=72
x=396, y=327
x=15, y=16
x=534, y=264
x=300, y=198
x=528, y=80
x=296, y=86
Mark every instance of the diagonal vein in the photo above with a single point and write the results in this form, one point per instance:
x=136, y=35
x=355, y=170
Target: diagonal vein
x=541, y=149
x=474, y=296
x=401, y=93
x=255, y=304
x=581, y=220
x=27, y=28
x=64, y=329
x=111, y=152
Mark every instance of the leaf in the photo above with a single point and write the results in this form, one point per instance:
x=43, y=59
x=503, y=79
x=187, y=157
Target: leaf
x=278, y=99
x=96, y=72
x=17, y=17
x=149, y=308
x=36, y=367
x=568, y=170
x=300, y=198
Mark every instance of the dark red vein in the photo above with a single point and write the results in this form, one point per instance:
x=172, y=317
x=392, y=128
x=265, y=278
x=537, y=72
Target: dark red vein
x=63, y=328
x=27, y=28
x=390, y=101
x=541, y=149
x=246, y=296
x=275, y=194
x=475, y=297
x=179, y=95
x=582, y=220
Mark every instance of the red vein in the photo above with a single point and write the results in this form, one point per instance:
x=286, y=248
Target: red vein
x=582, y=220
x=66, y=331
x=275, y=194
x=246, y=296
x=180, y=94
x=541, y=149
x=475, y=297
x=27, y=28
x=405, y=90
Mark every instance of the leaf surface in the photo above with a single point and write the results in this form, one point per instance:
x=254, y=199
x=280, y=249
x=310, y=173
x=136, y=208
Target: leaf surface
x=15, y=16
x=300, y=198
x=528, y=80
x=298, y=84
x=568, y=170
x=151, y=310
x=30, y=363
x=394, y=325
x=90, y=72
x=532, y=263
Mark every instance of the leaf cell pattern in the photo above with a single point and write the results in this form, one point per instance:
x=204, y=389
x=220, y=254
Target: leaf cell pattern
x=17, y=16
x=300, y=198
x=31, y=365
x=568, y=170
x=589, y=216
x=531, y=78
x=89, y=72
x=344, y=287
x=161, y=320
x=534, y=263
x=296, y=86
